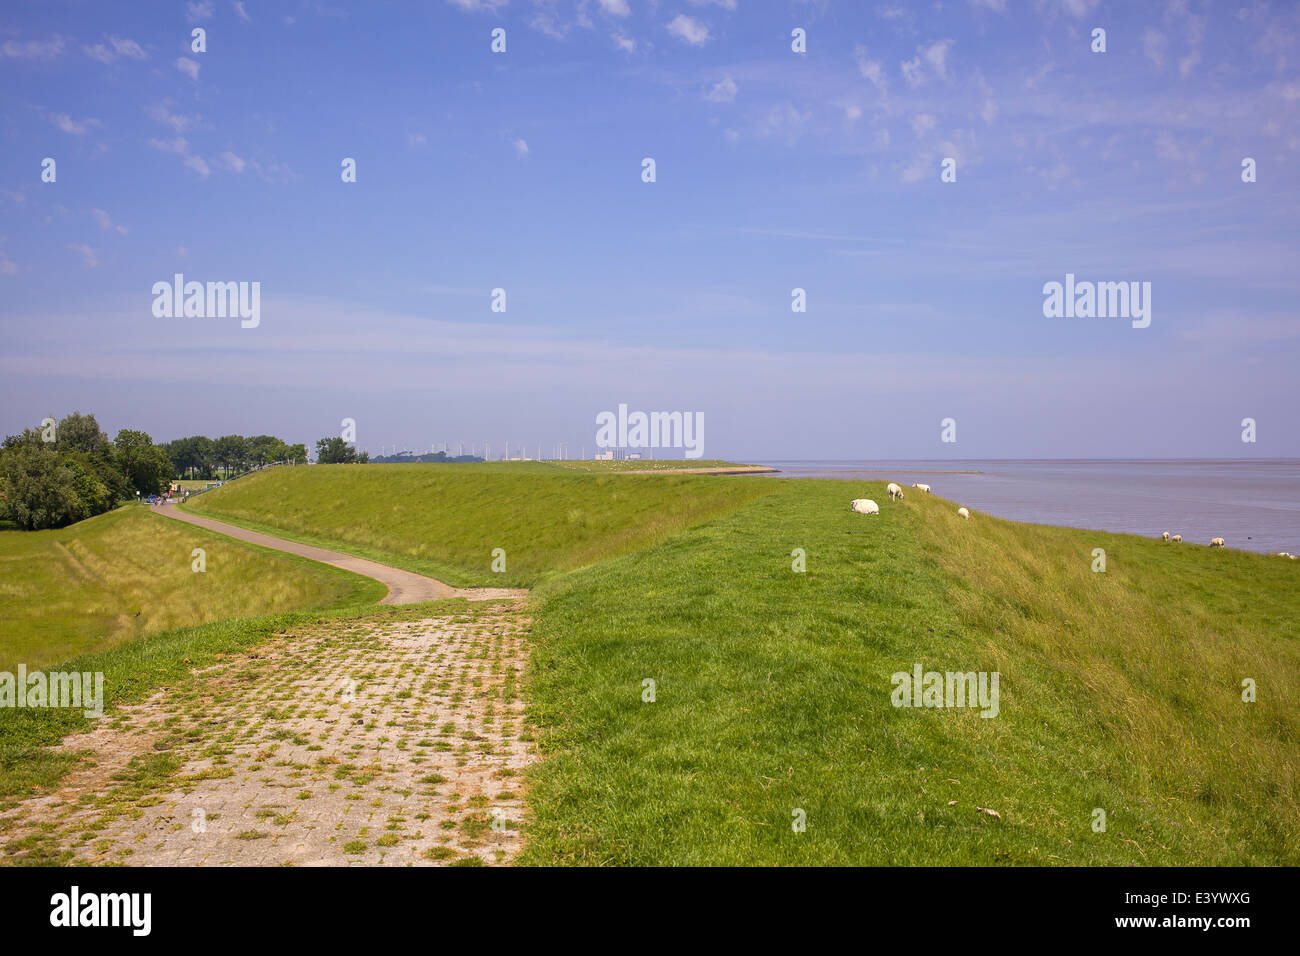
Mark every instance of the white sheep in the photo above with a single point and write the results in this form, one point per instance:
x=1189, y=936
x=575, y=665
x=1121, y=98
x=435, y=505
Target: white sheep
x=1165, y=535
x=894, y=491
x=864, y=506
x=924, y=489
x=1216, y=542
x=963, y=513
x=1177, y=537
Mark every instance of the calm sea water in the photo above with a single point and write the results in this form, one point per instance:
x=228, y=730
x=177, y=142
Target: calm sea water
x=1253, y=505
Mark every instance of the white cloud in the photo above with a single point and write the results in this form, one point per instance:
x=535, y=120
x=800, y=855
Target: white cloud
x=852, y=113
x=232, y=162
x=912, y=71
x=624, y=43
x=617, y=8
x=923, y=123
x=181, y=147
x=89, y=256
x=1079, y=8
x=7, y=266
x=997, y=6
x=725, y=4
x=936, y=54
x=240, y=11
x=120, y=47
x=920, y=167
x=189, y=67
x=478, y=6
x=33, y=49
x=870, y=69
x=106, y=223
x=66, y=123
x=689, y=30
x=783, y=120
x=1153, y=45
x=521, y=147
x=161, y=113
x=200, y=11
x=416, y=139
x=723, y=92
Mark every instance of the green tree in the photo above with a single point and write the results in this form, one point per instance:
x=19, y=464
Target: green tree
x=39, y=491
x=231, y=452
x=334, y=451
x=145, y=466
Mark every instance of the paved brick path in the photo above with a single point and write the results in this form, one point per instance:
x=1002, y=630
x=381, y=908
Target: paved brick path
x=371, y=742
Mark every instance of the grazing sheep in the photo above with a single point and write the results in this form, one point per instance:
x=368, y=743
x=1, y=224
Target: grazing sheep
x=1216, y=542
x=1285, y=554
x=864, y=506
x=924, y=489
x=963, y=513
x=1165, y=535
x=1177, y=537
x=894, y=491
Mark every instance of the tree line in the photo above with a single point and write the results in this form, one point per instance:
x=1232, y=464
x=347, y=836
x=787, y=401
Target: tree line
x=69, y=470
x=201, y=457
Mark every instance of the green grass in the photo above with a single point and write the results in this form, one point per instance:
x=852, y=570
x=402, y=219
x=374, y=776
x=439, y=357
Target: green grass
x=1119, y=691
x=644, y=464
x=122, y=575
x=446, y=520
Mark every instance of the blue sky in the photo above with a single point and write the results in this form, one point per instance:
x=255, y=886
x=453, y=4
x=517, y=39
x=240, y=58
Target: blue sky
x=775, y=170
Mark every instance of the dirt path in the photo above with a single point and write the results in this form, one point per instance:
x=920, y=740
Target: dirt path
x=352, y=742
x=404, y=587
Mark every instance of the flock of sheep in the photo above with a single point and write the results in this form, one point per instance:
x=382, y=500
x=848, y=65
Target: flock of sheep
x=865, y=506
x=1214, y=542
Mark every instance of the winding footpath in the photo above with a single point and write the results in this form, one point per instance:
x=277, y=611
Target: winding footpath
x=404, y=587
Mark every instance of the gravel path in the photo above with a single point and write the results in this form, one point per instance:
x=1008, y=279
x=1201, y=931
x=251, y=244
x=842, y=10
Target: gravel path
x=404, y=587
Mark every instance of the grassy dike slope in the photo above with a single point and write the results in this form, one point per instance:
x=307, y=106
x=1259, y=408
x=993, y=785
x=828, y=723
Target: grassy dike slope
x=111, y=579
x=446, y=520
x=1119, y=691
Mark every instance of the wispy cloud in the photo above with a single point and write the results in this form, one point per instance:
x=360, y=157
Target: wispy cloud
x=89, y=256
x=33, y=49
x=76, y=127
x=688, y=30
x=106, y=223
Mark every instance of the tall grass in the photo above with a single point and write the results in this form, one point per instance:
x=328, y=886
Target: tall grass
x=122, y=575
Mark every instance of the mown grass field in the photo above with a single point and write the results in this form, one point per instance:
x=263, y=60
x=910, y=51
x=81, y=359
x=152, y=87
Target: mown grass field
x=1120, y=691
x=126, y=574
x=446, y=520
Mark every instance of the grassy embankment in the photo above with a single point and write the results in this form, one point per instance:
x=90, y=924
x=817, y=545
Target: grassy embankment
x=1120, y=691
x=446, y=520
x=122, y=575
